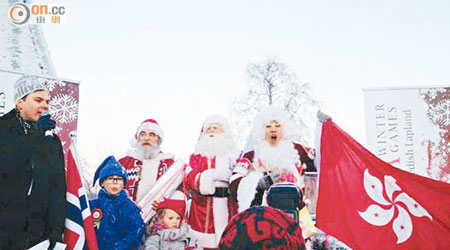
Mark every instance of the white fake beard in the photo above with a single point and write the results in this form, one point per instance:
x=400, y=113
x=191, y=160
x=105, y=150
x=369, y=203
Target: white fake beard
x=147, y=153
x=211, y=145
x=283, y=156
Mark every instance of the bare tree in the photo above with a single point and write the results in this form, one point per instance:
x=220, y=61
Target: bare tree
x=270, y=82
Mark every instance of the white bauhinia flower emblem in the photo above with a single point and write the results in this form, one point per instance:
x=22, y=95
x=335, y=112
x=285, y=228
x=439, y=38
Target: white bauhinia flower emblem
x=378, y=216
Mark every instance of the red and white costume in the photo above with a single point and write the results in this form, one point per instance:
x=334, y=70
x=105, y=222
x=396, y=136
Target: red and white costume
x=143, y=168
x=209, y=212
x=289, y=158
x=143, y=173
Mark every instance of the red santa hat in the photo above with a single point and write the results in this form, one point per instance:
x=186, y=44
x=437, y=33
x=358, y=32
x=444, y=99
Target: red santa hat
x=179, y=206
x=149, y=124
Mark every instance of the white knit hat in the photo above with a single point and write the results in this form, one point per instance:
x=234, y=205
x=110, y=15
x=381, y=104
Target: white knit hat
x=27, y=84
x=151, y=125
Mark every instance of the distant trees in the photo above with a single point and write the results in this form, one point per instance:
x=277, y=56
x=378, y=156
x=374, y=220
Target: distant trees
x=270, y=82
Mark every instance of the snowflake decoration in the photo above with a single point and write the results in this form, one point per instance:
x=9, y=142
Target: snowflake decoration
x=433, y=93
x=51, y=84
x=441, y=112
x=64, y=108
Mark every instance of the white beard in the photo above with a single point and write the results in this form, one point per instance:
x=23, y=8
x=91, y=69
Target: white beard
x=211, y=145
x=147, y=153
x=283, y=156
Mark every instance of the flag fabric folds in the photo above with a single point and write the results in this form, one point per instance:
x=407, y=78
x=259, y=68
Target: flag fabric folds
x=368, y=204
x=79, y=233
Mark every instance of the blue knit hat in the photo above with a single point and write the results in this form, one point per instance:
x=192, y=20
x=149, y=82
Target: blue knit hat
x=109, y=167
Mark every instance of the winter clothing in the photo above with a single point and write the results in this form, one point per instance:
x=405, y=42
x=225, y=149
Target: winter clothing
x=208, y=182
x=25, y=85
x=217, y=119
x=210, y=208
x=32, y=184
x=142, y=174
x=170, y=239
x=243, y=184
x=151, y=125
x=179, y=206
x=262, y=228
x=109, y=167
x=121, y=226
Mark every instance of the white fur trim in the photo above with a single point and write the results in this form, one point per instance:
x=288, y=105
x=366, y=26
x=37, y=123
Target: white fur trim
x=207, y=184
x=240, y=170
x=235, y=176
x=220, y=212
x=155, y=128
x=217, y=119
x=204, y=239
x=247, y=189
x=273, y=113
x=222, y=163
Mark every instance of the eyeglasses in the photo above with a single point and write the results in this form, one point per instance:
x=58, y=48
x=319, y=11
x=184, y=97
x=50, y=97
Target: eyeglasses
x=114, y=179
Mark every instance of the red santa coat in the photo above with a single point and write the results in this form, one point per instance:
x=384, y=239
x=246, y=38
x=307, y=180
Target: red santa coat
x=244, y=166
x=134, y=168
x=207, y=212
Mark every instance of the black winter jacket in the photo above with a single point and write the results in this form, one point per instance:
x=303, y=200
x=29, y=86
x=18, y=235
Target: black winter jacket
x=32, y=185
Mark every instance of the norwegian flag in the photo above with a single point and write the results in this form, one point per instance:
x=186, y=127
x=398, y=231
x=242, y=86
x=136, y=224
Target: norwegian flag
x=79, y=233
x=369, y=204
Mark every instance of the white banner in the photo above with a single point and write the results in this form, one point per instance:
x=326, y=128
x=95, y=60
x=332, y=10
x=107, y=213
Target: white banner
x=409, y=128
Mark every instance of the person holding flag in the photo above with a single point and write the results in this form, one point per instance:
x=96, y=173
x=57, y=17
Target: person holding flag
x=32, y=178
x=369, y=204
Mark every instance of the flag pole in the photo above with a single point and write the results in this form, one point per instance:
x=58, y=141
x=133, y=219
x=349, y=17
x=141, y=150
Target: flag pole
x=74, y=150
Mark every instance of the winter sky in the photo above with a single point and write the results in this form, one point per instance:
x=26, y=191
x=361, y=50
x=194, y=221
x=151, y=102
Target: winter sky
x=178, y=61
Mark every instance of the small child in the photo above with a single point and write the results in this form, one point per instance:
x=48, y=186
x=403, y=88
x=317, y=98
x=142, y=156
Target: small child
x=117, y=219
x=169, y=231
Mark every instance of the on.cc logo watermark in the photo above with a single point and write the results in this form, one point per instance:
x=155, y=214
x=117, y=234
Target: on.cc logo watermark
x=19, y=13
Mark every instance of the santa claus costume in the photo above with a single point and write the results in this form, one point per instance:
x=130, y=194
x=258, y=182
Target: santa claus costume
x=212, y=162
x=145, y=165
x=288, y=158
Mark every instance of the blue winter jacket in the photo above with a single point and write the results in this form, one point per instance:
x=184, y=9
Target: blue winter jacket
x=121, y=226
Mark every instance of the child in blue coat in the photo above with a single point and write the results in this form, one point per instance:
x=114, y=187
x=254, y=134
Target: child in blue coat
x=117, y=219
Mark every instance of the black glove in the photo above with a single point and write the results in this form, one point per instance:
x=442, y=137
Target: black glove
x=266, y=181
x=263, y=184
x=53, y=238
x=322, y=117
x=45, y=123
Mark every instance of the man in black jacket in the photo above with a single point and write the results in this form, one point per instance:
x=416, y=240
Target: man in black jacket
x=32, y=177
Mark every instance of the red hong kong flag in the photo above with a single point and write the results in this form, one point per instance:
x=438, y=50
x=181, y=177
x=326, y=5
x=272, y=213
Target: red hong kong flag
x=368, y=204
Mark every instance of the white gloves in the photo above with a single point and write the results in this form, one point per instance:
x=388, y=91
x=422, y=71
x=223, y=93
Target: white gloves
x=222, y=174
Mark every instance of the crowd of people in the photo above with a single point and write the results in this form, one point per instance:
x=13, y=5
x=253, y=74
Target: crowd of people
x=200, y=214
